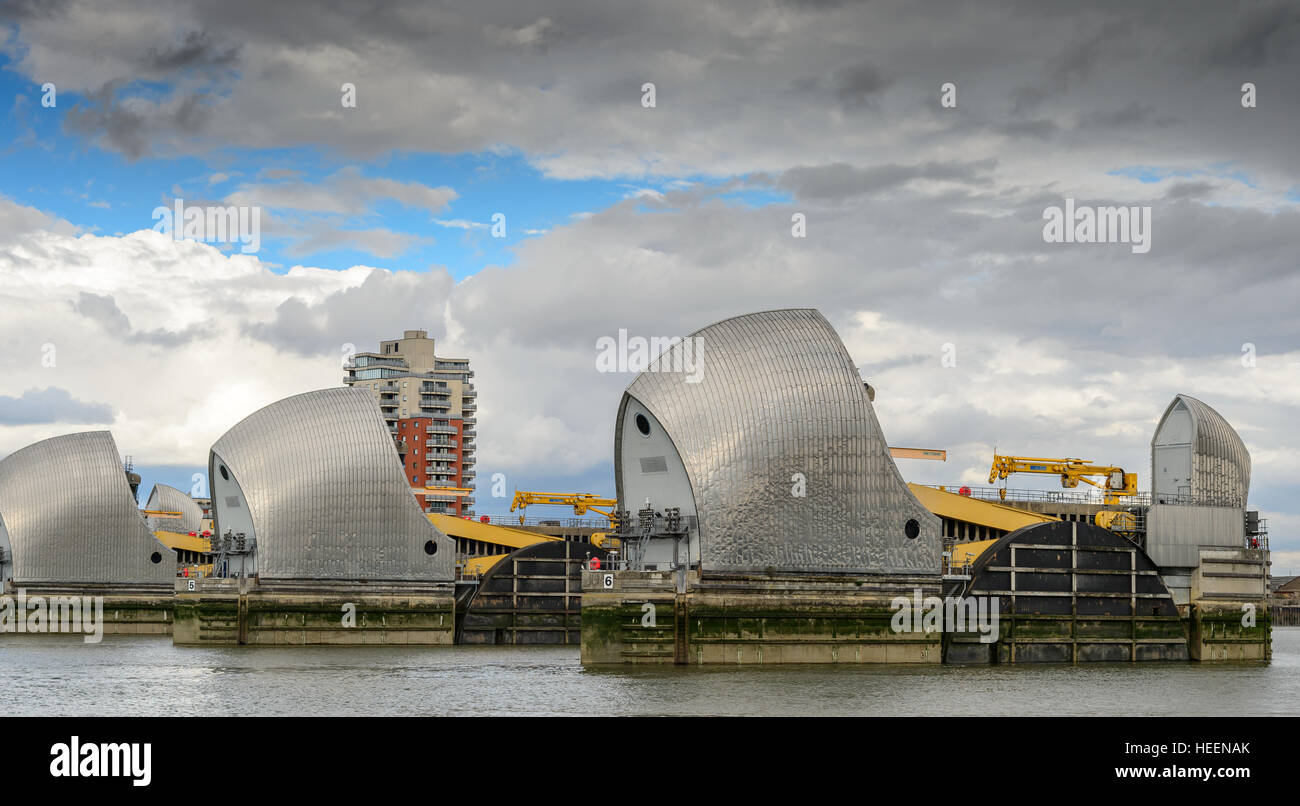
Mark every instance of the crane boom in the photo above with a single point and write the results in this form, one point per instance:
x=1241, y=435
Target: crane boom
x=1115, y=483
x=581, y=502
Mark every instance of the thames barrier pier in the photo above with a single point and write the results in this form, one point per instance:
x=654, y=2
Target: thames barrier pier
x=319, y=539
x=70, y=530
x=763, y=520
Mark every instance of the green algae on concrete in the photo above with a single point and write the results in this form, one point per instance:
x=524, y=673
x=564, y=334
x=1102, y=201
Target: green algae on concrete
x=224, y=612
x=1230, y=631
x=641, y=617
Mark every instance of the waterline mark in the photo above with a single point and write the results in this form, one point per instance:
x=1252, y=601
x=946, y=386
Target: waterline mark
x=53, y=614
x=951, y=614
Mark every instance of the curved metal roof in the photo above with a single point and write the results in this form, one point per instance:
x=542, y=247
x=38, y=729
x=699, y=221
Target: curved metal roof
x=169, y=499
x=1221, y=462
x=71, y=517
x=325, y=492
x=778, y=394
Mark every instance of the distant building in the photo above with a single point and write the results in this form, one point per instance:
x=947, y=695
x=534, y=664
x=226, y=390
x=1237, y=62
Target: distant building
x=430, y=407
x=1285, y=587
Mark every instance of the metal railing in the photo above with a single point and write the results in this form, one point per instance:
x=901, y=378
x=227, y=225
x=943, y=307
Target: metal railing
x=1053, y=496
x=573, y=523
x=986, y=493
x=375, y=362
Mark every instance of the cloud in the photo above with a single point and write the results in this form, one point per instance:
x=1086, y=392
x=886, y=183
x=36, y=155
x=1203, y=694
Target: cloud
x=196, y=50
x=322, y=237
x=382, y=304
x=153, y=329
x=346, y=192
x=765, y=90
x=104, y=311
x=1260, y=36
x=51, y=405
x=538, y=34
x=126, y=124
x=841, y=181
x=17, y=219
x=322, y=216
x=460, y=223
x=859, y=84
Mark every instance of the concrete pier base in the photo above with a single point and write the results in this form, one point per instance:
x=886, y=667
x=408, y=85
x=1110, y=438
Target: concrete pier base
x=1221, y=631
x=656, y=617
x=1228, y=618
x=127, y=610
x=251, y=612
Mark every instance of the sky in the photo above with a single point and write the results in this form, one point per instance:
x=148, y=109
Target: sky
x=500, y=176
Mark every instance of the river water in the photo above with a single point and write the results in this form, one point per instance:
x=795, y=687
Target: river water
x=129, y=675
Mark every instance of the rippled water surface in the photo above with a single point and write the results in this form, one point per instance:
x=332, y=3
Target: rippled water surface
x=125, y=675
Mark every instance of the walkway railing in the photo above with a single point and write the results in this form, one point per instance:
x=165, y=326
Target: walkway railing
x=987, y=493
x=576, y=523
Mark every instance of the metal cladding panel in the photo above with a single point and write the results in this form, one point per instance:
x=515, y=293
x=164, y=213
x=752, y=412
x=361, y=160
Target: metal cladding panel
x=71, y=517
x=778, y=395
x=170, y=499
x=1220, y=462
x=327, y=494
x=1177, y=533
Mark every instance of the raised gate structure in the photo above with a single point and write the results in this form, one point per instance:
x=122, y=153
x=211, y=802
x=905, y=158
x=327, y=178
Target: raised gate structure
x=531, y=596
x=1072, y=592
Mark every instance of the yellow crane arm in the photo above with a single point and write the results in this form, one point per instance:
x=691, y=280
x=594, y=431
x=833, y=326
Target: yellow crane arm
x=1115, y=482
x=581, y=502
